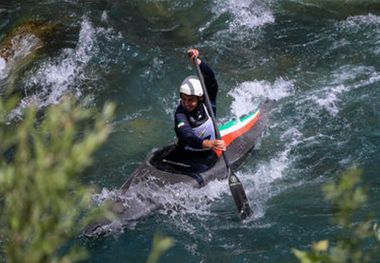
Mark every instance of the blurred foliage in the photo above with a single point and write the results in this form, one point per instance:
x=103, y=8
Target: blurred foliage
x=43, y=205
x=358, y=241
x=159, y=246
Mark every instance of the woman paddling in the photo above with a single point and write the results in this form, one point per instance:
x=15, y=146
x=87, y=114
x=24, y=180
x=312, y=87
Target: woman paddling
x=195, y=149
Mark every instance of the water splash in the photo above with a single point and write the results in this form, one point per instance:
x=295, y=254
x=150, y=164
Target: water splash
x=248, y=95
x=143, y=199
x=3, y=69
x=261, y=182
x=354, y=23
x=104, y=18
x=21, y=47
x=329, y=100
x=60, y=75
x=176, y=199
x=246, y=14
x=343, y=80
x=56, y=76
x=193, y=201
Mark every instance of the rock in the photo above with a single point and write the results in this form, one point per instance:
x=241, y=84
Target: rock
x=26, y=38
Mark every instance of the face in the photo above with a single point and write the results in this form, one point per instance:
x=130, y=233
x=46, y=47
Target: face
x=190, y=102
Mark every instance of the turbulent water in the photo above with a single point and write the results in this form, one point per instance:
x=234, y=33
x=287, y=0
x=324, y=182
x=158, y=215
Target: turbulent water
x=320, y=61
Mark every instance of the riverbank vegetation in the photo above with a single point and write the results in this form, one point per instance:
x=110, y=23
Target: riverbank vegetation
x=43, y=203
x=358, y=239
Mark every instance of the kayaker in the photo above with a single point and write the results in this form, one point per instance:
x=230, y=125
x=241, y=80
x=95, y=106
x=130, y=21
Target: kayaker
x=194, y=152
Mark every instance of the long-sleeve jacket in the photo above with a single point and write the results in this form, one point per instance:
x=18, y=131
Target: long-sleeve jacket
x=185, y=121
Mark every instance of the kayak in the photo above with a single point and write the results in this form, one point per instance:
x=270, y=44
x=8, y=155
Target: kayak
x=138, y=192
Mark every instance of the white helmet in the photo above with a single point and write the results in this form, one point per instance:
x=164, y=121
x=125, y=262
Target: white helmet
x=191, y=86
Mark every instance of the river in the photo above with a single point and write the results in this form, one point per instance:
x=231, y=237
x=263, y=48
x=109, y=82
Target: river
x=320, y=61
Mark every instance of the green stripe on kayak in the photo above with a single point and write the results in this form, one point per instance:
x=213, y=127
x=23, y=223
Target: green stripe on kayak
x=233, y=122
x=243, y=118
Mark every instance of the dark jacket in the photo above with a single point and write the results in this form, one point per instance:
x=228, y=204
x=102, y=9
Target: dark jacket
x=185, y=121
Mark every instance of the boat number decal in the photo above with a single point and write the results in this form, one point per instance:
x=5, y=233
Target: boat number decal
x=234, y=180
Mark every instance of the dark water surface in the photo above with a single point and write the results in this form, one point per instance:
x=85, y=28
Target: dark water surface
x=319, y=59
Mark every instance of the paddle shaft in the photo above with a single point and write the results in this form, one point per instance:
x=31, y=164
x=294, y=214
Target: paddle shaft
x=236, y=187
x=209, y=109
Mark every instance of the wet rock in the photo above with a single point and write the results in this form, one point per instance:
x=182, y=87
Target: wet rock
x=26, y=38
x=19, y=49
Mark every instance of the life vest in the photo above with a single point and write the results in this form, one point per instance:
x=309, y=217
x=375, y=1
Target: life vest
x=204, y=131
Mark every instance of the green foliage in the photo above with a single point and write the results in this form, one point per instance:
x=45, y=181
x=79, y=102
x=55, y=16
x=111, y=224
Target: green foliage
x=346, y=196
x=160, y=245
x=42, y=203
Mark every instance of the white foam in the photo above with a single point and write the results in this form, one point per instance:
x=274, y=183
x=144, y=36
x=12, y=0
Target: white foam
x=104, y=17
x=355, y=21
x=372, y=78
x=104, y=195
x=3, y=68
x=177, y=199
x=190, y=200
x=57, y=76
x=23, y=45
x=344, y=79
x=246, y=13
x=260, y=183
x=186, y=204
x=329, y=100
x=349, y=73
x=248, y=95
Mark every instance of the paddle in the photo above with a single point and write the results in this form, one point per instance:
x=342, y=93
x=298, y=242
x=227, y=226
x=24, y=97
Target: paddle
x=234, y=183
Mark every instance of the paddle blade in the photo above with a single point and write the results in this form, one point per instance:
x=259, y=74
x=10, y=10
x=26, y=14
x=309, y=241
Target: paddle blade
x=239, y=196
